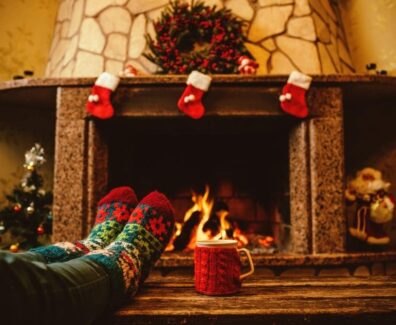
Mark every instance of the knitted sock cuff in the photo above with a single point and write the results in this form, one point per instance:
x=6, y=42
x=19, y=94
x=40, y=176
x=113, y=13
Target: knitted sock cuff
x=121, y=261
x=159, y=202
x=59, y=252
x=122, y=194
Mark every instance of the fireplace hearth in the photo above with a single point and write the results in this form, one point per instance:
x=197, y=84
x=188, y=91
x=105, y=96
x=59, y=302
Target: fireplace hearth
x=306, y=166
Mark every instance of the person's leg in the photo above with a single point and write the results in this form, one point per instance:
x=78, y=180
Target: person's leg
x=80, y=290
x=113, y=212
x=74, y=292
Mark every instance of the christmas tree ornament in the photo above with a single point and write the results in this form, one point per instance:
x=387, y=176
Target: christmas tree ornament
x=17, y=207
x=247, y=65
x=14, y=248
x=292, y=100
x=2, y=228
x=99, y=102
x=374, y=206
x=40, y=230
x=197, y=37
x=190, y=102
x=30, y=208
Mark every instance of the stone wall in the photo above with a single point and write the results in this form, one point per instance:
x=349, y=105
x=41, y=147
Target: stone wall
x=96, y=35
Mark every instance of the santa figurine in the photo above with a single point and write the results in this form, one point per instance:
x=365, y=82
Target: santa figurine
x=374, y=206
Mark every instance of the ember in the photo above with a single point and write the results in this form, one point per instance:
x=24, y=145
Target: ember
x=207, y=220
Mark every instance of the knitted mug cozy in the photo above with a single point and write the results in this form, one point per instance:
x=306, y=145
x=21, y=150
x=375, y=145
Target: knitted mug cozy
x=218, y=269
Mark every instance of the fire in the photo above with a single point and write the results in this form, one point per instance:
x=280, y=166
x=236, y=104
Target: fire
x=201, y=222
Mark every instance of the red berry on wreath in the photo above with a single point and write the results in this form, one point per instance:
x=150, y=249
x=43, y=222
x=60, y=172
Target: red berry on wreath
x=207, y=39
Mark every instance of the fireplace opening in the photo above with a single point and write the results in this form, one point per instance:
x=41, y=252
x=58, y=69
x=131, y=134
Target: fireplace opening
x=226, y=177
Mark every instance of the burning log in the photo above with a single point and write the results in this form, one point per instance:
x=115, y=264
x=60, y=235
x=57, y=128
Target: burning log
x=188, y=232
x=206, y=220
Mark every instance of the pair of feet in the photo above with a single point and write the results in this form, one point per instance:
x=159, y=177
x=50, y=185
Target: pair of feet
x=127, y=238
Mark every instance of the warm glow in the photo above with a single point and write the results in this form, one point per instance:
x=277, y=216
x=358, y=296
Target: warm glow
x=204, y=205
x=200, y=222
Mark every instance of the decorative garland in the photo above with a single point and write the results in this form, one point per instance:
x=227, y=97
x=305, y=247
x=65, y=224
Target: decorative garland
x=197, y=37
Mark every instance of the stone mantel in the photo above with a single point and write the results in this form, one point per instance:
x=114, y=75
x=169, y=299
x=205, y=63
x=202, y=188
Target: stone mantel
x=341, y=80
x=316, y=146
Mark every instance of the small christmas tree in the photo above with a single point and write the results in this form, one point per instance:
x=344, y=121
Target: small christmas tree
x=28, y=214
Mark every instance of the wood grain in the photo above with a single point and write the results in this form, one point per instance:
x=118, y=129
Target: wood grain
x=369, y=300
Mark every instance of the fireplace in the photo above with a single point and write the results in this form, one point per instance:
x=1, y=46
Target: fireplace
x=242, y=163
x=269, y=159
x=301, y=199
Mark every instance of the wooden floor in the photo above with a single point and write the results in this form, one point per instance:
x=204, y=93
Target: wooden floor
x=348, y=300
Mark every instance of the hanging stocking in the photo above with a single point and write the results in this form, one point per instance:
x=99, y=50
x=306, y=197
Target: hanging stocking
x=191, y=101
x=99, y=104
x=292, y=100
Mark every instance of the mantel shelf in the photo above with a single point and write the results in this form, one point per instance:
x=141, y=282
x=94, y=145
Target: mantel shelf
x=41, y=92
x=180, y=80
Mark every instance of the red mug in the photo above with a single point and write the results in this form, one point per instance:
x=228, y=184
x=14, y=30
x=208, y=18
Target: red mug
x=218, y=267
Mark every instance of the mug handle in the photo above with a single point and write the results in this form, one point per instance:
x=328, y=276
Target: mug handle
x=250, y=263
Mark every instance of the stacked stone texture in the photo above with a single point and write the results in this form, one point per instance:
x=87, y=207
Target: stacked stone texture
x=92, y=36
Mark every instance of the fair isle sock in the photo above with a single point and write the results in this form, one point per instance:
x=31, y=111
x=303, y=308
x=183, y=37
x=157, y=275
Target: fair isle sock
x=113, y=212
x=130, y=257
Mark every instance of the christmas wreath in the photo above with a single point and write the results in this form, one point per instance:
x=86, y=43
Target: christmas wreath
x=197, y=37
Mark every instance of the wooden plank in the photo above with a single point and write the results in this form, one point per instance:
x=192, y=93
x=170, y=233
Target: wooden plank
x=313, y=300
x=232, y=306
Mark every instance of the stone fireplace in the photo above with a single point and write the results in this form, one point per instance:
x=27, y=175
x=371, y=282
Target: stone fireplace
x=307, y=161
x=92, y=36
x=272, y=171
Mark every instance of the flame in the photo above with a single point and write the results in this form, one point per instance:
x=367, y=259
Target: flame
x=203, y=205
x=178, y=228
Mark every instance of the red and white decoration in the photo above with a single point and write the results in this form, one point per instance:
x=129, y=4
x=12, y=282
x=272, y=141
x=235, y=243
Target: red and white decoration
x=247, y=65
x=129, y=72
x=190, y=103
x=99, y=103
x=292, y=100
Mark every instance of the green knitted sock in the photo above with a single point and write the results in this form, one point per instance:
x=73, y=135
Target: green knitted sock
x=113, y=212
x=130, y=257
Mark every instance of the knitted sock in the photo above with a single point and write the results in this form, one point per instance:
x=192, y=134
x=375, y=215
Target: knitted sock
x=130, y=257
x=113, y=212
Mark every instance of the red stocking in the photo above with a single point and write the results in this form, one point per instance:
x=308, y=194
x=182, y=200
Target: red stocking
x=99, y=104
x=191, y=100
x=293, y=94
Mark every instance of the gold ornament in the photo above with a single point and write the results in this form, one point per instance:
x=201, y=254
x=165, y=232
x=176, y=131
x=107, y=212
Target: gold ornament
x=14, y=248
x=30, y=167
x=30, y=209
